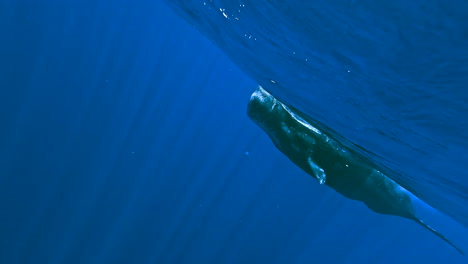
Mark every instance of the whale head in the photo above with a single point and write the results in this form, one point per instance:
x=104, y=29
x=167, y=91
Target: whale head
x=264, y=109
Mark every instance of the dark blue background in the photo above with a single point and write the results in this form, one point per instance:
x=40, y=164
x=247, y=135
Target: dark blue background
x=124, y=139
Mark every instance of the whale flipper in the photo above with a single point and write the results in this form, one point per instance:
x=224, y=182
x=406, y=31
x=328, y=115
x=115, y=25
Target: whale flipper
x=331, y=163
x=319, y=173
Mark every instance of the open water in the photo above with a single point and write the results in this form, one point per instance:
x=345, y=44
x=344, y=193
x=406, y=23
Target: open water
x=124, y=137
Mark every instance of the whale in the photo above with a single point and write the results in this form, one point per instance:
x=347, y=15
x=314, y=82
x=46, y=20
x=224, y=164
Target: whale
x=330, y=162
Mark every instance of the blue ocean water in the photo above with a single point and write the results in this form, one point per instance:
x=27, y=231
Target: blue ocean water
x=124, y=137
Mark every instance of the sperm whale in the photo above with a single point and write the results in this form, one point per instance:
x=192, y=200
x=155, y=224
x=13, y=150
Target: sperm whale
x=330, y=162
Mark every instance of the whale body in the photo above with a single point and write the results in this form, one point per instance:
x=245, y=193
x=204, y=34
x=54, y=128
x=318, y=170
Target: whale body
x=330, y=162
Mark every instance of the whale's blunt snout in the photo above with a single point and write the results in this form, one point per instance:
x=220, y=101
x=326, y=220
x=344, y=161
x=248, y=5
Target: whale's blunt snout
x=260, y=105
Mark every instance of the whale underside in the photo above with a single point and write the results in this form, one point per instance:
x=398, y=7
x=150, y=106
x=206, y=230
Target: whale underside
x=330, y=162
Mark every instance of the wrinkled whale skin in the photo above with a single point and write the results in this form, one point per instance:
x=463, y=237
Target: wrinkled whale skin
x=329, y=162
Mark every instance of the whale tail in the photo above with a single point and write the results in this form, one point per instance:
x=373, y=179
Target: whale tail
x=419, y=221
